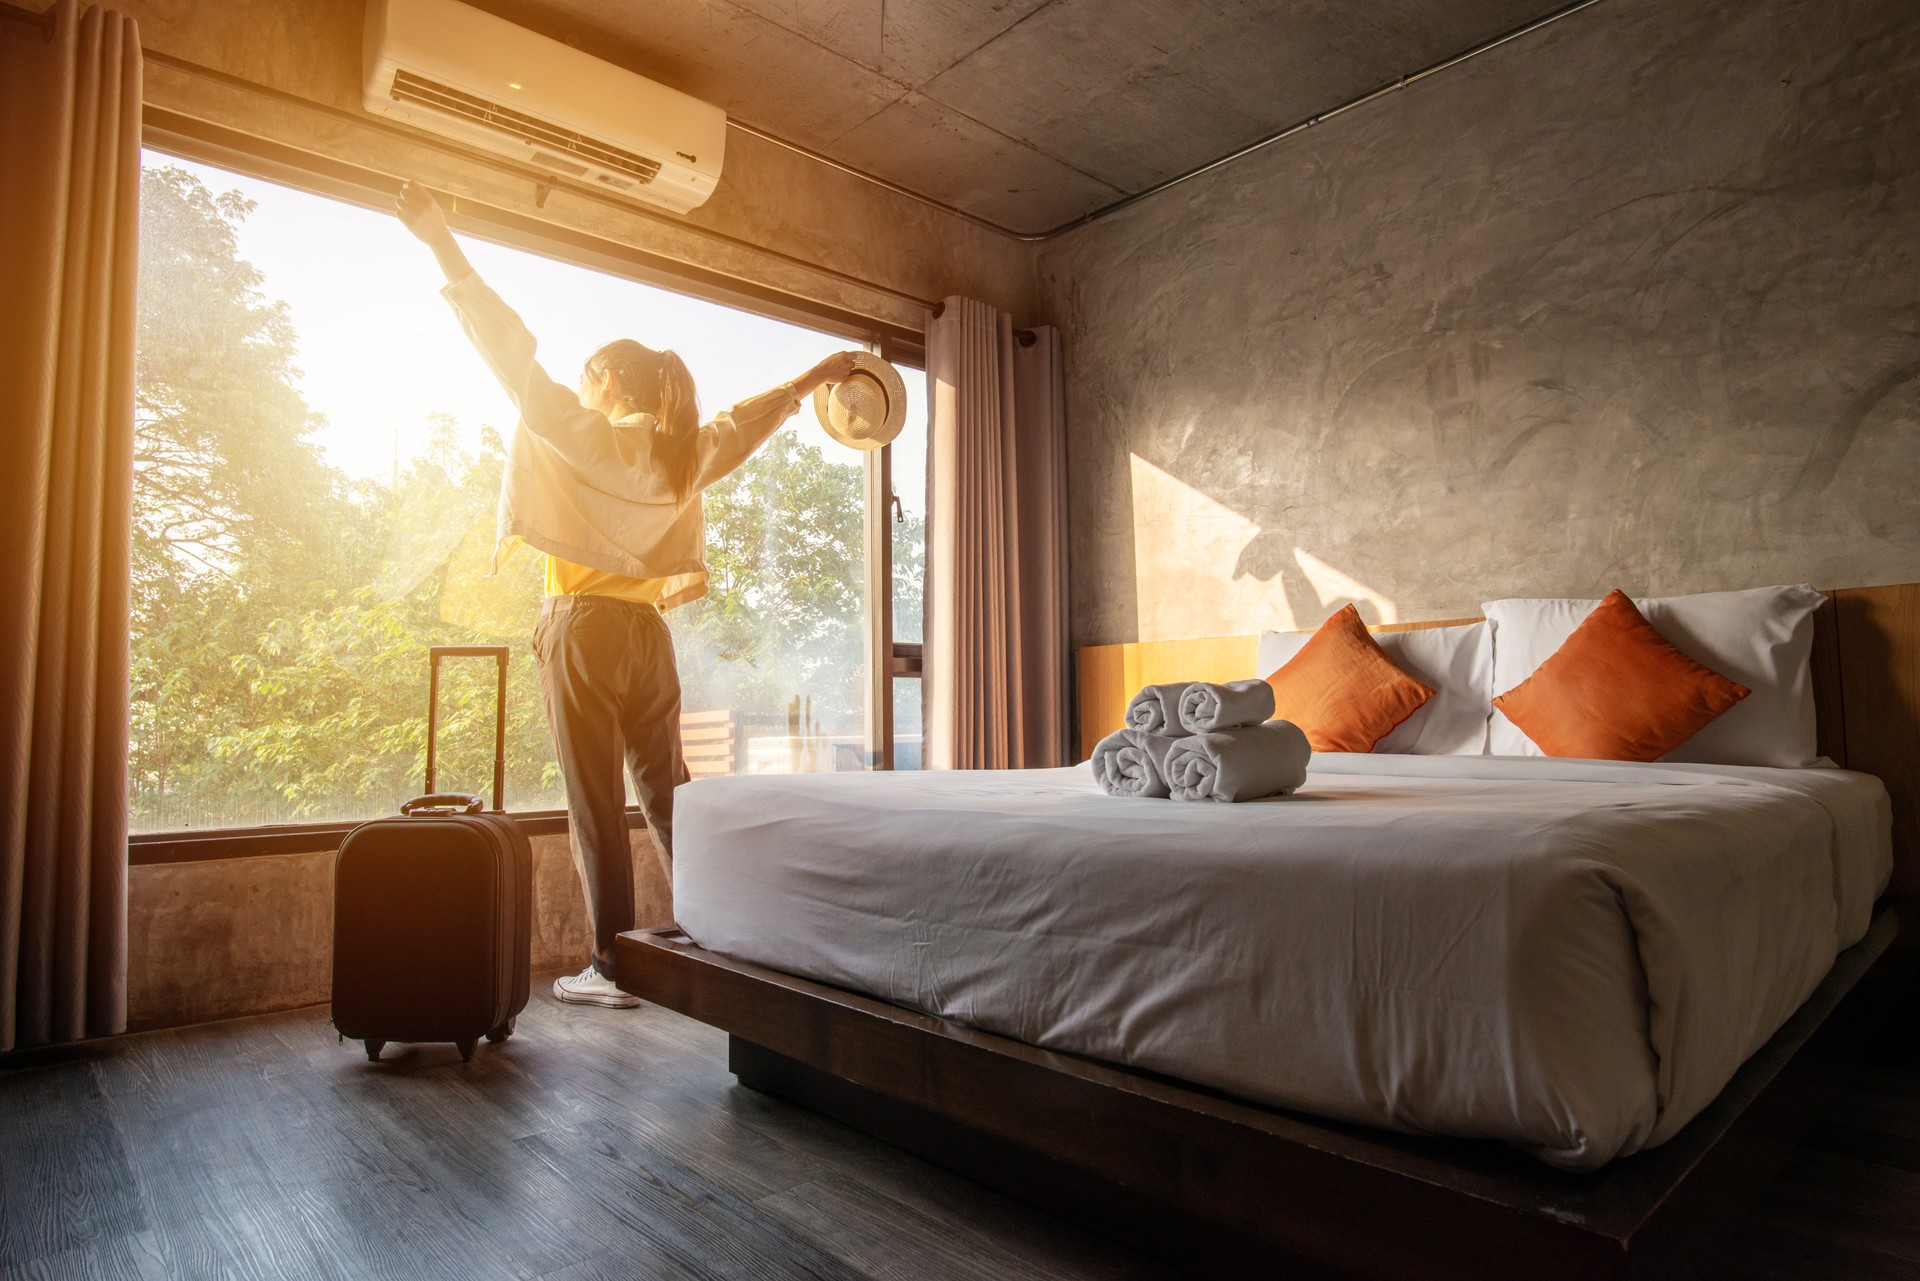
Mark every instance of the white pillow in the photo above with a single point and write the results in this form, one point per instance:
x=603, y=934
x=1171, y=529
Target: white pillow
x=1456, y=661
x=1761, y=638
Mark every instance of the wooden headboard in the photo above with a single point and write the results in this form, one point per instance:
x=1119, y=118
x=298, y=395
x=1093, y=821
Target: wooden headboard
x=1866, y=687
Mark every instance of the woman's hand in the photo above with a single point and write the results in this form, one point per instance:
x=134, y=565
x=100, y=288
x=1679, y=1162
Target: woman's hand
x=836, y=368
x=421, y=214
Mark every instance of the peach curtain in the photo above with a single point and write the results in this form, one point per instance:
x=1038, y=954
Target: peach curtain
x=996, y=617
x=70, y=171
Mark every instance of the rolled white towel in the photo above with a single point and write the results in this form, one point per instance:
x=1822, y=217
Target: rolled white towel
x=1131, y=762
x=1156, y=709
x=1206, y=707
x=1242, y=764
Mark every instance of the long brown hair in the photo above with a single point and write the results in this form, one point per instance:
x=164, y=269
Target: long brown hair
x=655, y=382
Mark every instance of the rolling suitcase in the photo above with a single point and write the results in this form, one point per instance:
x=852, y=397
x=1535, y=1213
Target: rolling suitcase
x=432, y=910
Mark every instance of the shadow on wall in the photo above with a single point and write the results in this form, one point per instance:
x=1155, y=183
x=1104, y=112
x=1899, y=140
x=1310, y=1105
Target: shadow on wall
x=1196, y=558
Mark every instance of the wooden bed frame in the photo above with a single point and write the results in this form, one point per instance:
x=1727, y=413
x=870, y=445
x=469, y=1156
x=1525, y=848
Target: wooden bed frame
x=1223, y=1187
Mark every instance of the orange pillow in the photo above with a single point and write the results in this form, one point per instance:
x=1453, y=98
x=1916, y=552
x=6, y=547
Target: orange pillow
x=1342, y=690
x=1617, y=691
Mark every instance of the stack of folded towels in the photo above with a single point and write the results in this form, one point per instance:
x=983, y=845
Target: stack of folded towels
x=1196, y=741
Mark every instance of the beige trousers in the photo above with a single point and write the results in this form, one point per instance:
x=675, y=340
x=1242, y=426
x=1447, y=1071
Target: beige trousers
x=612, y=694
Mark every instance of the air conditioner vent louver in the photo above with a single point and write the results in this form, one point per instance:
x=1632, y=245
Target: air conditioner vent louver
x=416, y=89
x=552, y=161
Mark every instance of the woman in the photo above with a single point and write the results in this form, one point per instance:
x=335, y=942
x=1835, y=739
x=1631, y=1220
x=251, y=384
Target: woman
x=607, y=483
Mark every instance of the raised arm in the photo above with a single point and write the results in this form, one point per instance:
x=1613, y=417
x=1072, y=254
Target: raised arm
x=731, y=438
x=422, y=215
x=836, y=368
x=551, y=411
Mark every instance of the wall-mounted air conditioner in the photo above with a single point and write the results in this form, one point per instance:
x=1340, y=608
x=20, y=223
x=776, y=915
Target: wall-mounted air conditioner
x=453, y=70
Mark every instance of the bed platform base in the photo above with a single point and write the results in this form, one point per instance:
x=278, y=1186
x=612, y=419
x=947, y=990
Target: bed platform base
x=1221, y=1187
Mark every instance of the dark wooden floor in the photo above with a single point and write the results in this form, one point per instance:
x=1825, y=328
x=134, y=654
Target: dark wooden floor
x=604, y=1143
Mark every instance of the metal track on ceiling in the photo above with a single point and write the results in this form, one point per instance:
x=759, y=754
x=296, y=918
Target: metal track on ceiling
x=1266, y=140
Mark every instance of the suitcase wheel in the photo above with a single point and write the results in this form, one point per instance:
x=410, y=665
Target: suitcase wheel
x=502, y=1032
x=373, y=1049
x=466, y=1048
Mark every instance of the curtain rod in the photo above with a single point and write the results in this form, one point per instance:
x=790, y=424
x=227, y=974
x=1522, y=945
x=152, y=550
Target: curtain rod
x=27, y=17
x=1026, y=337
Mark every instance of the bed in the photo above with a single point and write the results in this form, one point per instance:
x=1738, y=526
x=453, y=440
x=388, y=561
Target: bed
x=1191, y=1022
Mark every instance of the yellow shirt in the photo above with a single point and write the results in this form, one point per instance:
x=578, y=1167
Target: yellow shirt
x=564, y=578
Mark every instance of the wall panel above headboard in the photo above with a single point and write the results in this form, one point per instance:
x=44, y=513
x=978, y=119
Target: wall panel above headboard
x=1866, y=682
x=1110, y=675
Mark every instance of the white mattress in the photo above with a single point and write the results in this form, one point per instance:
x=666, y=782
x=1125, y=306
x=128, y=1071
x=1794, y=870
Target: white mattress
x=1569, y=956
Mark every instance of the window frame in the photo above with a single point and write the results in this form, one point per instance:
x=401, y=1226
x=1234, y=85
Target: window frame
x=186, y=138
x=191, y=845
x=904, y=660
x=877, y=555
x=207, y=143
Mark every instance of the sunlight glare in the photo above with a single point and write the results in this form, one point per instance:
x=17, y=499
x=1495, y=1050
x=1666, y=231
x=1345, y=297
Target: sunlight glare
x=1185, y=547
x=1333, y=586
x=381, y=351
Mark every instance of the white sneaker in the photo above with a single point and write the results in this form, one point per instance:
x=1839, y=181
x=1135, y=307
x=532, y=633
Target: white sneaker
x=591, y=987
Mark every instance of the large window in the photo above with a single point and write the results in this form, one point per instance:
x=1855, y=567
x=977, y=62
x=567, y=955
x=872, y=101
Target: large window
x=318, y=456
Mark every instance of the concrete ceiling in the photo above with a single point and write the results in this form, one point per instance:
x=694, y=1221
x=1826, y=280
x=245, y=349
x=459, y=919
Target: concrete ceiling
x=1027, y=113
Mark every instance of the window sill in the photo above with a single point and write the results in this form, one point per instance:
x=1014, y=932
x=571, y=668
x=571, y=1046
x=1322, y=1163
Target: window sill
x=215, y=844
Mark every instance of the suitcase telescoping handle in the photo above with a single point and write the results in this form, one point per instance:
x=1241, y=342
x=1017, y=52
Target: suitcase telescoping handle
x=499, y=654
x=444, y=803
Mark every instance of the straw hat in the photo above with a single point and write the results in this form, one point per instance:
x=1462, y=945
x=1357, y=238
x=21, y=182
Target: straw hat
x=868, y=409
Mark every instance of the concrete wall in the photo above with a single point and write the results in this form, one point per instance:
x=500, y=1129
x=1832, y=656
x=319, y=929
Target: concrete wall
x=1632, y=301
x=247, y=936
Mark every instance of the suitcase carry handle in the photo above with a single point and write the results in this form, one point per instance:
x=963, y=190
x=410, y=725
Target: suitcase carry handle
x=444, y=803
x=499, y=654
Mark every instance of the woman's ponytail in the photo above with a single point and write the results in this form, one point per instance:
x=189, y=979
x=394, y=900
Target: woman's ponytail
x=658, y=383
x=649, y=382
x=679, y=409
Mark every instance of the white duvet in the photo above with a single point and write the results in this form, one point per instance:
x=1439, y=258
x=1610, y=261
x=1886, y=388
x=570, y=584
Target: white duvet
x=1569, y=956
